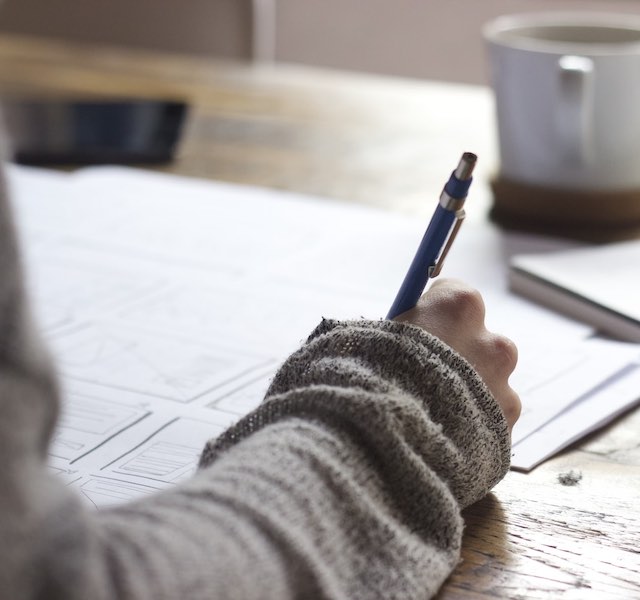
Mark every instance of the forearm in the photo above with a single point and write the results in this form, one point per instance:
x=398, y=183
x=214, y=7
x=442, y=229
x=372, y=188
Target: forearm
x=347, y=482
x=411, y=436
x=296, y=510
x=401, y=390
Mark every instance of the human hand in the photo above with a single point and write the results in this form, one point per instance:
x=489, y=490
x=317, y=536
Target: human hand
x=454, y=312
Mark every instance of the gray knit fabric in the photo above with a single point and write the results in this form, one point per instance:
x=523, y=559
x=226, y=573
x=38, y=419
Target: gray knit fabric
x=347, y=482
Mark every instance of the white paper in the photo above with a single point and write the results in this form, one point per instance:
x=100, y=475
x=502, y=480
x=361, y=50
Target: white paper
x=169, y=303
x=560, y=374
x=595, y=409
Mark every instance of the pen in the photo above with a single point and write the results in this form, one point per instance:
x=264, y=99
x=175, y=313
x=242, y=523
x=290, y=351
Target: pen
x=437, y=240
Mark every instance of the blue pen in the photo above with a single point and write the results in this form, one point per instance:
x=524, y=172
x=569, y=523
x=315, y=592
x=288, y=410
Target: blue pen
x=437, y=240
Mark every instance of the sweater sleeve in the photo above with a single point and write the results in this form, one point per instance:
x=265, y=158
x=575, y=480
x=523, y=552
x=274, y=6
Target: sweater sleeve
x=347, y=481
x=411, y=400
x=378, y=435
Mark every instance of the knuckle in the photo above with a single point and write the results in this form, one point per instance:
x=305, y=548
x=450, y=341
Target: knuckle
x=468, y=303
x=513, y=409
x=504, y=352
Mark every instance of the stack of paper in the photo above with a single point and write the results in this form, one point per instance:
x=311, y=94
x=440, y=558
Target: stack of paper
x=170, y=302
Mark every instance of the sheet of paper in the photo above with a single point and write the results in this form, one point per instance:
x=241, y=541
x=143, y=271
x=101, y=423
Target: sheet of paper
x=170, y=302
x=596, y=408
x=560, y=374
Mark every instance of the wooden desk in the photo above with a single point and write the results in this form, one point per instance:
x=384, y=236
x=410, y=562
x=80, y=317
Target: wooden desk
x=386, y=143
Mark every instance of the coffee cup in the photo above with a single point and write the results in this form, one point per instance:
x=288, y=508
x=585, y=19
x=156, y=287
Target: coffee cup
x=567, y=96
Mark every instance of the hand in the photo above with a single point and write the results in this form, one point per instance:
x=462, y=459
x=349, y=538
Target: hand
x=454, y=312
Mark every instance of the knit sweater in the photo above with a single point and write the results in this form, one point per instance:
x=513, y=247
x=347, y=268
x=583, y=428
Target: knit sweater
x=347, y=481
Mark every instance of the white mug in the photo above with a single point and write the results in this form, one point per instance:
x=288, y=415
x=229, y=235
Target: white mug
x=567, y=93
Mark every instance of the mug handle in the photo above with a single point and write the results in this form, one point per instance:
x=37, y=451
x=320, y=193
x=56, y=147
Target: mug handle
x=574, y=118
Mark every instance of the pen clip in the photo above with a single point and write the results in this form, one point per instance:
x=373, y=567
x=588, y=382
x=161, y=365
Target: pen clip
x=434, y=270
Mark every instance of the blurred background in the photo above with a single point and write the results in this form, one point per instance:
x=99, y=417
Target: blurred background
x=435, y=39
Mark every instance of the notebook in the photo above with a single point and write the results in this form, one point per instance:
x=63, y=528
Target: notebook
x=599, y=285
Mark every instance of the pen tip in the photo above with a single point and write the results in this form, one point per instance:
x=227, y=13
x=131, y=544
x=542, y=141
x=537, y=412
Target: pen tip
x=465, y=166
x=469, y=156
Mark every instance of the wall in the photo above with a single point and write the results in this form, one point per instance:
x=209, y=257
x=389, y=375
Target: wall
x=215, y=27
x=437, y=39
